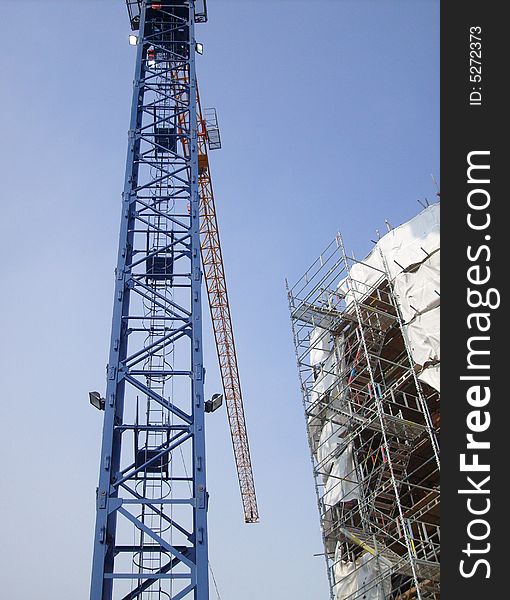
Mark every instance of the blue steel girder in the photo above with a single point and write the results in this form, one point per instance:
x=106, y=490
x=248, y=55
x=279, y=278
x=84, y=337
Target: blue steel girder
x=151, y=524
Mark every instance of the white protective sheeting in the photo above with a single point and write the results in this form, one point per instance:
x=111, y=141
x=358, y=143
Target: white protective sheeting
x=418, y=291
x=360, y=579
x=346, y=577
x=340, y=353
x=410, y=254
x=326, y=376
x=342, y=482
x=364, y=276
x=320, y=345
x=330, y=445
x=409, y=244
x=423, y=335
x=328, y=360
x=314, y=430
x=431, y=375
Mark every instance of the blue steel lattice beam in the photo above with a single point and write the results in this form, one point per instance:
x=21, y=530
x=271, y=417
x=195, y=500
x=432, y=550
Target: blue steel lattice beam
x=151, y=525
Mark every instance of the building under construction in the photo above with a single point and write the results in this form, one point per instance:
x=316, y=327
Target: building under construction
x=151, y=539
x=367, y=342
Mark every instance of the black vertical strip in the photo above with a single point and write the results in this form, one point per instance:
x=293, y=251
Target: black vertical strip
x=476, y=74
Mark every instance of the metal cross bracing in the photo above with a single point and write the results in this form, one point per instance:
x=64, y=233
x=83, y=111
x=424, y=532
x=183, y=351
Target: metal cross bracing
x=366, y=411
x=151, y=527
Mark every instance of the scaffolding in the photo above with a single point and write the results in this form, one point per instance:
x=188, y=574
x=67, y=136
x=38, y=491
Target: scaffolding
x=367, y=346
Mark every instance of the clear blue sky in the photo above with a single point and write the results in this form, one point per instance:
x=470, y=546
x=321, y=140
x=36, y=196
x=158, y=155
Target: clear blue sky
x=329, y=113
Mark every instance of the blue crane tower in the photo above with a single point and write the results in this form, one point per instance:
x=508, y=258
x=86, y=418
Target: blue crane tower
x=151, y=525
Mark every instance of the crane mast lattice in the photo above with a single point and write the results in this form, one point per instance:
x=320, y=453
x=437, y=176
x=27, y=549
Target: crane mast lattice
x=151, y=524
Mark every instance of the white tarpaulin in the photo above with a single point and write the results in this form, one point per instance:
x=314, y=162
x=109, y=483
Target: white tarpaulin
x=346, y=577
x=423, y=335
x=326, y=376
x=431, y=375
x=328, y=359
x=410, y=255
x=418, y=291
x=320, y=345
x=363, y=277
x=342, y=482
x=330, y=445
x=360, y=578
x=409, y=244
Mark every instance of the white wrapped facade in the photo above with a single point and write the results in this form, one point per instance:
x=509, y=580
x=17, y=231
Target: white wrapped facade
x=367, y=342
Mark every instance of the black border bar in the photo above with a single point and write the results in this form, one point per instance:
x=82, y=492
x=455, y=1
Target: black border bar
x=475, y=239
